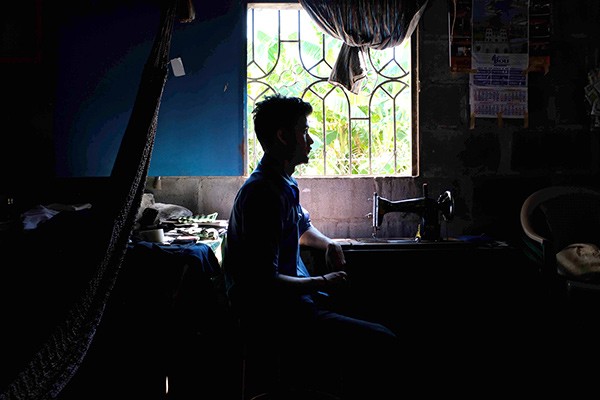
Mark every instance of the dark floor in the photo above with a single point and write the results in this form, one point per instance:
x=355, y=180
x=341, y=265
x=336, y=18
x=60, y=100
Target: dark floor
x=464, y=334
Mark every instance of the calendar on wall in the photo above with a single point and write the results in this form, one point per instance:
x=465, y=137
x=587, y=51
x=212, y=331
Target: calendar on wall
x=499, y=43
x=499, y=58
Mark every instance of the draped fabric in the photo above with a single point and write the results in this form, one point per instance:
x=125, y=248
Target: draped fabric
x=52, y=367
x=363, y=25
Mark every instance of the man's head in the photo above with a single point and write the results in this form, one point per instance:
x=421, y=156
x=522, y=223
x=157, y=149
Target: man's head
x=281, y=128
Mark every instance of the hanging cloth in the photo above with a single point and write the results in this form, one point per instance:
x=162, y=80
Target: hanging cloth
x=362, y=25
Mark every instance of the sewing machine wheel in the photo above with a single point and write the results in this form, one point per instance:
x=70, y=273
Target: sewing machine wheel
x=446, y=205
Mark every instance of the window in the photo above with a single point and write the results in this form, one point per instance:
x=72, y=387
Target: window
x=371, y=133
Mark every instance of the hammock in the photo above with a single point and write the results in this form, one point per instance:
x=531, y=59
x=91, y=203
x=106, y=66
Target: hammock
x=52, y=367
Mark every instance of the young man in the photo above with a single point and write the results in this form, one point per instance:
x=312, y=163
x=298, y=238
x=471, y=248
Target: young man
x=284, y=322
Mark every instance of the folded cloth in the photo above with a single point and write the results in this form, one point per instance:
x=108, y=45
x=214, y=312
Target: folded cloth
x=36, y=215
x=581, y=260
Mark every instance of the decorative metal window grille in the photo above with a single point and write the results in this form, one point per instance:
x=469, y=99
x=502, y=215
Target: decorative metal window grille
x=370, y=133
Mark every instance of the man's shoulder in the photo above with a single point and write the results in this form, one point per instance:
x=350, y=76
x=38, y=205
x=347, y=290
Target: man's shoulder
x=258, y=187
x=262, y=181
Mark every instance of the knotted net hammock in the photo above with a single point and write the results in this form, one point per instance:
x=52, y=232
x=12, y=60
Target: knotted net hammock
x=59, y=358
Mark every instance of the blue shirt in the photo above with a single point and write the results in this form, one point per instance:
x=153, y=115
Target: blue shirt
x=263, y=233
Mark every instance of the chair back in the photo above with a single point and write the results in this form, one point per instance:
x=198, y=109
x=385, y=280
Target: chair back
x=533, y=221
x=561, y=225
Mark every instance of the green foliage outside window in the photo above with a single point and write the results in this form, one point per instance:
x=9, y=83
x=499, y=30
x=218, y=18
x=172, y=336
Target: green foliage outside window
x=364, y=134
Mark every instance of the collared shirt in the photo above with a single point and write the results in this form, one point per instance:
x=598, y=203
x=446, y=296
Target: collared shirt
x=263, y=233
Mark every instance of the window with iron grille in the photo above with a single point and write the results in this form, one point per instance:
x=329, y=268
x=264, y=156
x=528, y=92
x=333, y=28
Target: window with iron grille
x=369, y=133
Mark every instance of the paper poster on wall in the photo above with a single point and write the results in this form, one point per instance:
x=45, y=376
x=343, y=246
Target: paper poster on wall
x=499, y=59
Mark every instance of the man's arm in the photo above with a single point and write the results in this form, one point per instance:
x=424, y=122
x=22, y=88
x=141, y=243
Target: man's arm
x=334, y=255
x=312, y=237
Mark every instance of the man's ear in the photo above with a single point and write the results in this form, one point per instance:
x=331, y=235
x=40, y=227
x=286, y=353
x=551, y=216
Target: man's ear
x=281, y=136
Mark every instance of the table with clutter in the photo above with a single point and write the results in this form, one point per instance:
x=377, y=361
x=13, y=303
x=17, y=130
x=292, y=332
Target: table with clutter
x=173, y=234
x=171, y=288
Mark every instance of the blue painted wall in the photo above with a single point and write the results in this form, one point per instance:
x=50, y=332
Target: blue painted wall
x=201, y=121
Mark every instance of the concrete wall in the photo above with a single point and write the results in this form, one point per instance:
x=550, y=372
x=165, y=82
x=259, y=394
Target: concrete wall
x=340, y=208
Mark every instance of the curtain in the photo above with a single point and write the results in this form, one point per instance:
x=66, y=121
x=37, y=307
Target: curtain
x=363, y=25
x=59, y=358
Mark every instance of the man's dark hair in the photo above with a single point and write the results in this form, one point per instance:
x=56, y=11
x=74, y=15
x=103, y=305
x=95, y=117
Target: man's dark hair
x=277, y=112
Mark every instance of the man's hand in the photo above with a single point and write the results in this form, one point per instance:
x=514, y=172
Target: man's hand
x=336, y=278
x=334, y=257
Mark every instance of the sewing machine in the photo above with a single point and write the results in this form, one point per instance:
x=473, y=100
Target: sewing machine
x=428, y=209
